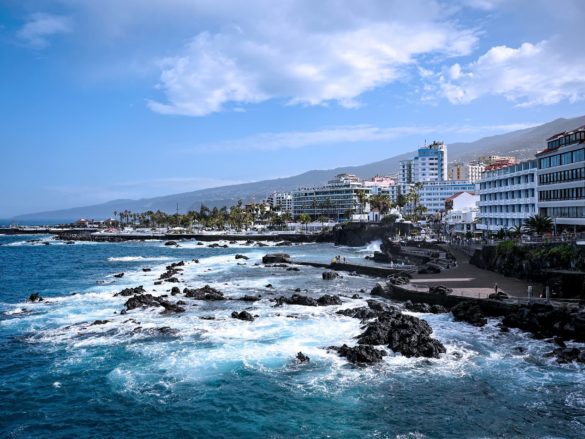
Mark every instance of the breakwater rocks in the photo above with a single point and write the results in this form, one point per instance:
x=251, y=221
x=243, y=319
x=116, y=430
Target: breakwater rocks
x=559, y=266
x=175, y=239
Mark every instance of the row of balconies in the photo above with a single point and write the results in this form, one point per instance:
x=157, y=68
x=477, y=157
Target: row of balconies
x=508, y=202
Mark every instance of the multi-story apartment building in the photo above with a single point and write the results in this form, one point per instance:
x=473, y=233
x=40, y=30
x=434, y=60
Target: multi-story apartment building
x=280, y=201
x=429, y=164
x=405, y=176
x=433, y=194
x=383, y=186
x=465, y=171
x=561, y=179
x=507, y=196
x=338, y=198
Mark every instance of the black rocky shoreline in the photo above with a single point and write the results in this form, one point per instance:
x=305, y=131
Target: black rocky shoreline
x=384, y=326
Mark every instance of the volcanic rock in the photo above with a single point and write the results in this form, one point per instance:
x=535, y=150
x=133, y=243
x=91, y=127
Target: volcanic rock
x=329, y=299
x=126, y=292
x=329, y=275
x=204, y=293
x=469, y=312
x=276, y=258
x=360, y=354
x=244, y=315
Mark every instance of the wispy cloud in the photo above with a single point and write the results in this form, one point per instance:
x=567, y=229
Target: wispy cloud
x=347, y=135
x=40, y=27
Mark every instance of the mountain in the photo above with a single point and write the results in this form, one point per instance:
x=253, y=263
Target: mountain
x=522, y=144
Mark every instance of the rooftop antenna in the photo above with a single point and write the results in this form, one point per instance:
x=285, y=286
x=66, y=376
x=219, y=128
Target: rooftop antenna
x=177, y=209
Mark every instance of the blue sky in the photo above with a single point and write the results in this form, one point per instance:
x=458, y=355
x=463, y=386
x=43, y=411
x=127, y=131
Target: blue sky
x=108, y=99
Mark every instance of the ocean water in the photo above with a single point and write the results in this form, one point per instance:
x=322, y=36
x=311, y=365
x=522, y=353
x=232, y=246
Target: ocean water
x=61, y=376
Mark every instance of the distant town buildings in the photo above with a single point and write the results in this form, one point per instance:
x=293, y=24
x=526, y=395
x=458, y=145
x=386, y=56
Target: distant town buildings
x=489, y=194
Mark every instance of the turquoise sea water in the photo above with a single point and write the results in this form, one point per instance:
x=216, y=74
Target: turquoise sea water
x=60, y=376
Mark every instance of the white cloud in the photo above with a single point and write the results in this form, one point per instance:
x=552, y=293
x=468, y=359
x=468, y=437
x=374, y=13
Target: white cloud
x=37, y=30
x=544, y=73
x=348, y=134
x=304, y=53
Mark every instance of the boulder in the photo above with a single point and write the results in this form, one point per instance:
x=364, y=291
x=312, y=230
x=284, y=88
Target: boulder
x=424, y=307
x=204, y=293
x=284, y=244
x=329, y=275
x=244, y=257
x=296, y=299
x=568, y=355
x=99, y=322
x=441, y=290
x=402, y=333
x=500, y=295
x=119, y=275
x=148, y=300
x=169, y=243
x=175, y=291
x=362, y=313
x=293, y=269
x=360, y=354
x=328, y=300
x=302, y=358
x=127, y=292
x=146, y=270
x=470, y=312
x=379, y=306
x=276, y=258
x=247, y=298
x=34, y=297
x=244, y=315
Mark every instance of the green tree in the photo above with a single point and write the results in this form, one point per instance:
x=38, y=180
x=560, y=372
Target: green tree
x=305, y=219
x=539, y=224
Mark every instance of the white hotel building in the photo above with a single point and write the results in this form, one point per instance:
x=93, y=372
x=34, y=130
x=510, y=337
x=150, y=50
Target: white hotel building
x=507, y=196
x=334, y=200
x=561, y=179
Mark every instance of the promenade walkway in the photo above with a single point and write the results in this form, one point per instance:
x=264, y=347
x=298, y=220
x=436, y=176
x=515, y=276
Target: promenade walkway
x=468, y=280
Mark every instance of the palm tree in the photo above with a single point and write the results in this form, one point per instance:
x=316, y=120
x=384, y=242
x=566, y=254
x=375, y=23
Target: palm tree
x=539, y=224
x=305, y=219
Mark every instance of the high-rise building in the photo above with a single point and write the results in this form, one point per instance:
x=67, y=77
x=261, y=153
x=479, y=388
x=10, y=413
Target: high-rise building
x=430, y=163
x=561, y=179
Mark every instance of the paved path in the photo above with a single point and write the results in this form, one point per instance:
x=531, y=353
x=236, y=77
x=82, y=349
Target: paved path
x=468, y=280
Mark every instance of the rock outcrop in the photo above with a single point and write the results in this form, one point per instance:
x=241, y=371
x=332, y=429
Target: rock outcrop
x=204, y=293
x=361, y=354
x=469, y=312
x=243, y=315
x=276, y=258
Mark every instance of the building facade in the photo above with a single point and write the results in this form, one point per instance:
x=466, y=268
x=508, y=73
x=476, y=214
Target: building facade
x=338, y=199
x=466, y=171
x=433, y=194
x=507, y=196
x=429, y=164
x=280, y=201
x=561, y=179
